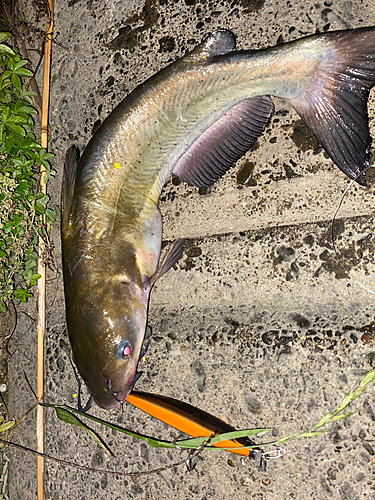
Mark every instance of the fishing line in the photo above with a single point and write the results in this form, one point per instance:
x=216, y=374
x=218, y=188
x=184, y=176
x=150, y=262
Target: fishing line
x=149, y=329
x=6, y=339
x=333, y=235
x=92, y=469
x=90, y=403
x=28, y=385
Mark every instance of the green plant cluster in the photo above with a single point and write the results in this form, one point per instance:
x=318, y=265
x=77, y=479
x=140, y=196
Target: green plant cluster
x=21, y=202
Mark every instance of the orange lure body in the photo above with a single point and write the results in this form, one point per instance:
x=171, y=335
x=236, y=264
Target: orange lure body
x=187, y=419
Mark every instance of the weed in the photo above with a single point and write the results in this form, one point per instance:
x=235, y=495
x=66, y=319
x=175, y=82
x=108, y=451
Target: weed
x=22, y=204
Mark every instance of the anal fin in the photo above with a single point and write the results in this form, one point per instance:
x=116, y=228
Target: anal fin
x=224, y=142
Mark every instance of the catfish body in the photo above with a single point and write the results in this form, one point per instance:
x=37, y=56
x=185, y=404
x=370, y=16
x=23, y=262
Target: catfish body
x=195, y=119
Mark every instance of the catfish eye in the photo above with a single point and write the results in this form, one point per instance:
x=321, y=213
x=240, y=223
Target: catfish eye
x=123, y=349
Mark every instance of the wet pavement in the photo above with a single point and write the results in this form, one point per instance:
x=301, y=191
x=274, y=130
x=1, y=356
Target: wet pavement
x=264, y=323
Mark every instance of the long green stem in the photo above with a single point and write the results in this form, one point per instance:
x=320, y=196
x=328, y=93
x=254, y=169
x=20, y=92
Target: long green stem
x=66, y=414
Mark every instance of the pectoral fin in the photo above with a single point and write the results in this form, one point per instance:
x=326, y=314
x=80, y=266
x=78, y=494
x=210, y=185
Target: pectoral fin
x=173, y=255
x=69, y=177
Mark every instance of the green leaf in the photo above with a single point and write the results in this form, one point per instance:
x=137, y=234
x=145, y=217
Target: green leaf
x=4, y=49
x=16, y=81
x=237, y=434
x=8, y=226
x=6, y=113
x=4, y=35
x=43, y=155
x=23, y=72
x=53, y=215
x=108, y=424
x=22, y=294
x=3, y=307
x=30, y=278
x=7, y=425
x=39, y=209
x=30, y=265
x=9, y=146
x=15, y=128
x=42, y=199
x=19, y=119
x=71, y=419
x=17, y=219
x=6, y=75
x=22, y=189
x=196, y=442
x=22, y=108
x=31, y=255
x=48, y=175
x=21, y=64
x=11, y=63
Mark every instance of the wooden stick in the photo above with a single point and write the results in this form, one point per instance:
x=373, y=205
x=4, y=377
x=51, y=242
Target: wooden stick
x=41, y=319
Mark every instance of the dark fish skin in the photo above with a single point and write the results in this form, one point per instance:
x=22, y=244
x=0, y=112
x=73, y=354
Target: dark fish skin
x=195, y=118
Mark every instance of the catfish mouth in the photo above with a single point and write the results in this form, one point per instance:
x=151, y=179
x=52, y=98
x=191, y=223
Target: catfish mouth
x=113, y=398
x=121, y=395
x=107, y=401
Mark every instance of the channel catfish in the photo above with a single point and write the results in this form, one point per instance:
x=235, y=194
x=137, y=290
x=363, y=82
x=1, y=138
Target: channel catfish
x=195, y=119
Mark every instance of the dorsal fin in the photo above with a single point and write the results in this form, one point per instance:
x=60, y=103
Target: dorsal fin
x=218, y=43
x=70, y=170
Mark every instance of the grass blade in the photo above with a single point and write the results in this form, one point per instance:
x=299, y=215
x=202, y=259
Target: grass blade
x=68, y=417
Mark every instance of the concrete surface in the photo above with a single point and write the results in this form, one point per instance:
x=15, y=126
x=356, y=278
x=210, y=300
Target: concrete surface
x=260, y=323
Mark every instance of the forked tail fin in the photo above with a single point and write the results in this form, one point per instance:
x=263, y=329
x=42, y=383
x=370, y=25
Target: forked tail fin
x=335, y=108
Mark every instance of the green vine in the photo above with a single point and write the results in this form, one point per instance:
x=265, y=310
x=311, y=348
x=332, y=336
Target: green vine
x=21, y=202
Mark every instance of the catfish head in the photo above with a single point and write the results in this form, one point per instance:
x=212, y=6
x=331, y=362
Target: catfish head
x=106, y=333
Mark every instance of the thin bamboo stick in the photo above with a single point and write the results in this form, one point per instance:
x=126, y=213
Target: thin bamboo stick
x=41, y=317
